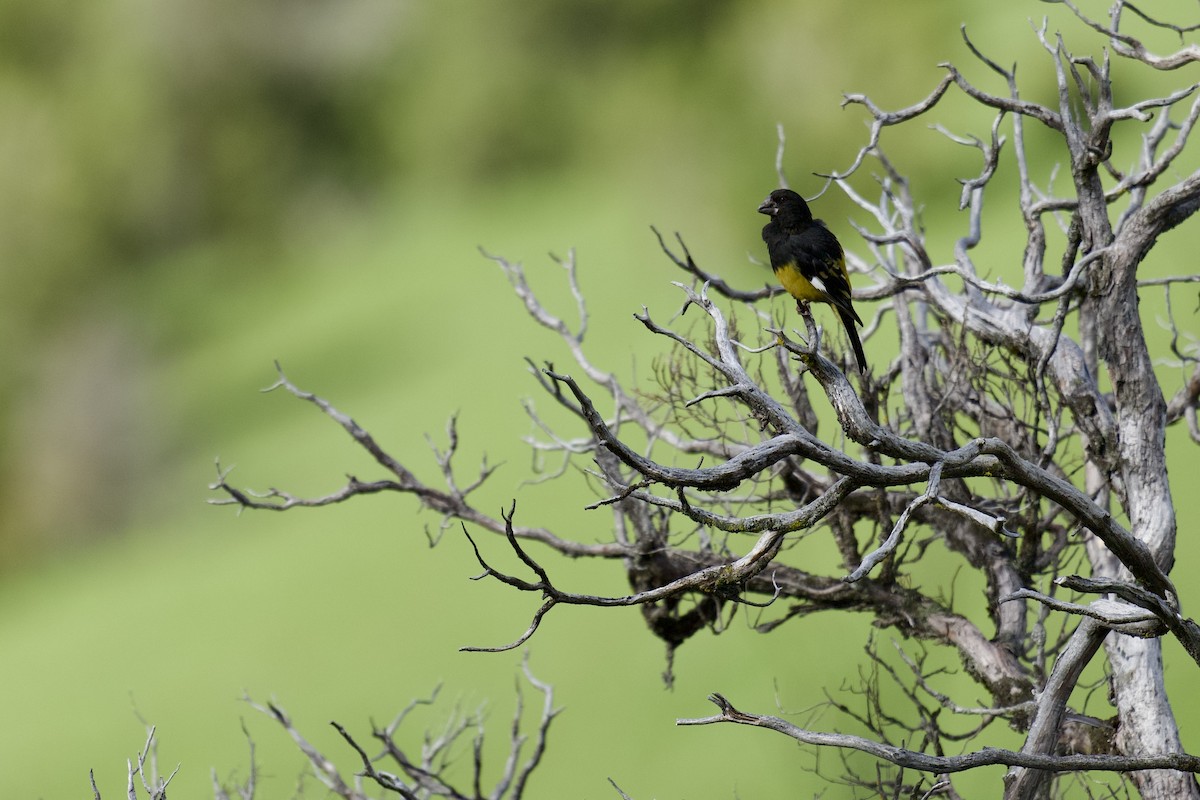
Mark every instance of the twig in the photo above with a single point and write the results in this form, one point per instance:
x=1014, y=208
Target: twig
x=924, y=762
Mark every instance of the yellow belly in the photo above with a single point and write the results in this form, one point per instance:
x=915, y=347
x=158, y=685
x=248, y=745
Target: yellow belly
x=798, y=286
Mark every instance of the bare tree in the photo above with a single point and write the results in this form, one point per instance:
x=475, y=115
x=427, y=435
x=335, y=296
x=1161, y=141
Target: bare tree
x=991, y=434
x=419, y=775
x=144, y=770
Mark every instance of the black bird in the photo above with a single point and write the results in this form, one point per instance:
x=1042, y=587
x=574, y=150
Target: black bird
x=808, y=260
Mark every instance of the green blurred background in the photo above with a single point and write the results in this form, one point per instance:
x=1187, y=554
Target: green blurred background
x=193, y=189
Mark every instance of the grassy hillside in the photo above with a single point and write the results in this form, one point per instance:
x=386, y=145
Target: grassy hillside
x=193, y=192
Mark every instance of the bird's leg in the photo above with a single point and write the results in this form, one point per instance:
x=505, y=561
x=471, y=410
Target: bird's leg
x=810, y=324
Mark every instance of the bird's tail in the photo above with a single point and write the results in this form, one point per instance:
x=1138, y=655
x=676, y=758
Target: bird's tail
x=855, y=342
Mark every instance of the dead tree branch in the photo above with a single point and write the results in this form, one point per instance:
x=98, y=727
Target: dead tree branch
x=1019, y=433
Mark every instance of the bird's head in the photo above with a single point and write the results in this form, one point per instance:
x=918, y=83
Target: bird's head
x=787, y=207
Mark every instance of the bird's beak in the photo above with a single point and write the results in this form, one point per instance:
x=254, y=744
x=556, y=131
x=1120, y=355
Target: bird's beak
x=768, y=208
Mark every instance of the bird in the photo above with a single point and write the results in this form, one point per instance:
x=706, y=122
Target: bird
x=808, y=260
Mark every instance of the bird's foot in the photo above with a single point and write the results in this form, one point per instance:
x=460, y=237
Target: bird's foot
x=810, y=324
